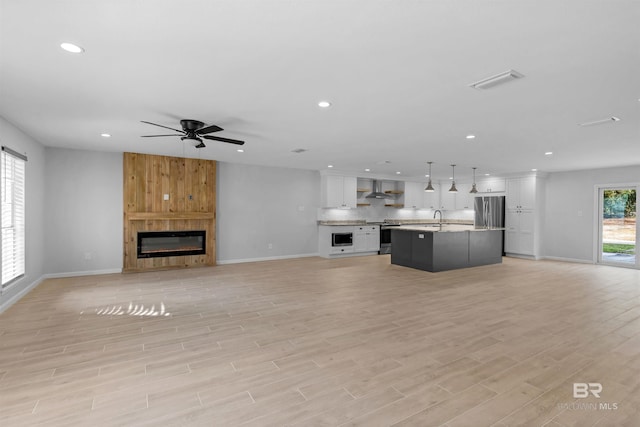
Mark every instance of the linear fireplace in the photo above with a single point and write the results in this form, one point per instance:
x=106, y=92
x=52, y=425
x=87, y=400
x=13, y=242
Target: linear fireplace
x=153, y=244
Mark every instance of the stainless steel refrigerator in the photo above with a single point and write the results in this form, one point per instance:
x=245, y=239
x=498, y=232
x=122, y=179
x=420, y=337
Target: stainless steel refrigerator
x=490, y=213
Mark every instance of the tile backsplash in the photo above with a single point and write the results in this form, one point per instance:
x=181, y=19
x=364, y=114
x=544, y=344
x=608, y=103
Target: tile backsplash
x=380, y=213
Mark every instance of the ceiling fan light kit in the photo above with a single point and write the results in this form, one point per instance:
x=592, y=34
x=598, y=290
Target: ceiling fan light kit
x=195, y=130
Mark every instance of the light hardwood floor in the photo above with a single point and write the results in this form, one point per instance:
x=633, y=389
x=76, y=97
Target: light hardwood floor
x=318, y=342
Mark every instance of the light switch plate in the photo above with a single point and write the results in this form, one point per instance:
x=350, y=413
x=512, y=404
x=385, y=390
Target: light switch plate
x=166, y=197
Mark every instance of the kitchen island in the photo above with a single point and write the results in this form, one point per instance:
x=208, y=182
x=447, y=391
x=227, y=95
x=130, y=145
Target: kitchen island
x=445, y=247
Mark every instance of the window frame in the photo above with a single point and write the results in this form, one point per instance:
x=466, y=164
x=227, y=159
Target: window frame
x=16, y=258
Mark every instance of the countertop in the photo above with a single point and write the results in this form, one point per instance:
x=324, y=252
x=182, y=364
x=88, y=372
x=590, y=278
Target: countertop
x=352, y=222
x=435, y=228
x=401, y=222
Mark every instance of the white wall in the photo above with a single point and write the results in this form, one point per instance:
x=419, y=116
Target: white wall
x=83, y=219
x=567, y=234
x=13, y=138
x=258, y=206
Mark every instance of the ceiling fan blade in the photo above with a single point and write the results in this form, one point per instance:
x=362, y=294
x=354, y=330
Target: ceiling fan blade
x=218, y=138
x=209, y=129
x=166, y=127
x=153, y=136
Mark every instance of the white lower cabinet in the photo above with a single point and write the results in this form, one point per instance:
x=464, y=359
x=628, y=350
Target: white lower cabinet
x=366, y=238
x=520, y=232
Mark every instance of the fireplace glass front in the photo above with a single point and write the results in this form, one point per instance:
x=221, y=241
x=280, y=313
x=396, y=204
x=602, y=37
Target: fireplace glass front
x=152, y=244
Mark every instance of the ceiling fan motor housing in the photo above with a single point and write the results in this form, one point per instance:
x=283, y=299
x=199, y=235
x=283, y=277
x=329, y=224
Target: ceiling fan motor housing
x=191, y=125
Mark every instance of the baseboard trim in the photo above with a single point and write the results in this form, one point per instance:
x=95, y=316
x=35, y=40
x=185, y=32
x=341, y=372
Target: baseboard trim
x=562, y=259
x=82, y=273
x=14, y=299
x=271, y=258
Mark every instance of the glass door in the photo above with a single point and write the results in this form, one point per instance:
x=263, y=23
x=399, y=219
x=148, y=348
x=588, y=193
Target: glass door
x=617, y=226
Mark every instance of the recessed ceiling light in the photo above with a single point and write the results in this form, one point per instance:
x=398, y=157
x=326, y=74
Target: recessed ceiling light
x=470, y=136
x=324, y=104
x=426, y=176
x=397, y=173
x=329, y=166
x=367, y=170
x=105, y=135
x=548, y=153
x=240, y=150
x=534, y=170
x=70, y=47
x=487, y=174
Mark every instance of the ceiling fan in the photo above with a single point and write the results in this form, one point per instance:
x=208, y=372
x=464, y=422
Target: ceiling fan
x=195, y=130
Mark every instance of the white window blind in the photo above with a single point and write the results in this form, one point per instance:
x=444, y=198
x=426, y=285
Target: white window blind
x=12, y=194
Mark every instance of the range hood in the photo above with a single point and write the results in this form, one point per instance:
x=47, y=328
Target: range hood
x=377, y=193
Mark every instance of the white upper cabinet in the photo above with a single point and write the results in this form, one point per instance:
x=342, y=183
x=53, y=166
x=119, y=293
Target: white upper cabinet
x=464, y=199
x=339, y=191
x=491, y=185
x=431, y=200
x=413, y=195
x=447, y=200
x=521, y=193
x=453, y=201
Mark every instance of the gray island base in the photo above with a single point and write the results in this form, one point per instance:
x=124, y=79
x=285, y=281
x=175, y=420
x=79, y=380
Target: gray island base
x=439, y=249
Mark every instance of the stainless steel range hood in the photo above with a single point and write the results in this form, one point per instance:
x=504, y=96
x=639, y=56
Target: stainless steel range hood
x=377, y=193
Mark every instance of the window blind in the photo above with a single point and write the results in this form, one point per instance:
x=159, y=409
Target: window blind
x=12, y=194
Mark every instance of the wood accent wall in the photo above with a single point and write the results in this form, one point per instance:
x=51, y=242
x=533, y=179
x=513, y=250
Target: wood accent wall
x=191, y=186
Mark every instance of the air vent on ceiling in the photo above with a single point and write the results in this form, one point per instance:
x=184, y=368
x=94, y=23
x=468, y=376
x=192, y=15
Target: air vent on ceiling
x=611, y=119
x=299, y=150
x=498, y=79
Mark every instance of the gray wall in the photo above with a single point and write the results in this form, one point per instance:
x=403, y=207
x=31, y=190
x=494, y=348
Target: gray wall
x=35, y=212
x=567, y=234
x=84, y=211
x=258, y=206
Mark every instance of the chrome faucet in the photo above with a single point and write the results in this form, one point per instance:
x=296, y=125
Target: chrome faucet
x=434, y=215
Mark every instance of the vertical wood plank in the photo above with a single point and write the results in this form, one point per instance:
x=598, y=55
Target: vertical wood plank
x=146, y=179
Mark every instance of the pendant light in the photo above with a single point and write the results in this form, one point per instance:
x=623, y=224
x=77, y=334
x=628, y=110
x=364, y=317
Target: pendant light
x=453, y=188
x=429, y=188
x=474, y=190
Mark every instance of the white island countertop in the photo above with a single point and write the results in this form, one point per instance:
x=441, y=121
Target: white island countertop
x=433, y=228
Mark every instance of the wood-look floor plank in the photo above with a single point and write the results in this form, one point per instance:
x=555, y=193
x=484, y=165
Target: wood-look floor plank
x=325, y=342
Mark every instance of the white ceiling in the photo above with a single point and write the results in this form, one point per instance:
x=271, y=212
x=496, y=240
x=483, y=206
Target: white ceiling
x=396, y=73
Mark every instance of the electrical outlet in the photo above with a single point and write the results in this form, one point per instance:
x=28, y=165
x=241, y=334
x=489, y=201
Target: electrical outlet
x=87, y=256
x=270, y=246
x=166, y=197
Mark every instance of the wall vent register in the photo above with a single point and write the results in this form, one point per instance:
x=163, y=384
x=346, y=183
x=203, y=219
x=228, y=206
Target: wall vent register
x=153, y=244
